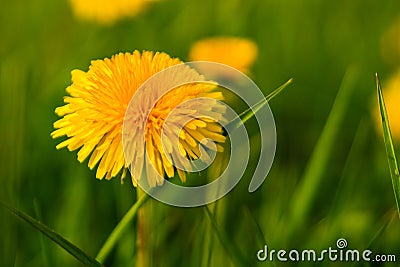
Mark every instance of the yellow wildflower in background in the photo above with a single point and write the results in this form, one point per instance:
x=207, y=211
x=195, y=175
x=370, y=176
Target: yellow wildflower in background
x=93, y=116
x=239, y=53
x=390, y=44
x=391, y=94
x=105, y=11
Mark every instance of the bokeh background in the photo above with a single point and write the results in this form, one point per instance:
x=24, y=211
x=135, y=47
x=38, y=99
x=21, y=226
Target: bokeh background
x=315, y=42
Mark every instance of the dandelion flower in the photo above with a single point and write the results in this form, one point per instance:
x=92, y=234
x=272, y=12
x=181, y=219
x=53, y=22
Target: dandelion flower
x=93, y=117
x=239, y=53
x=391, y=92
x=390, y=43
x=107, y=12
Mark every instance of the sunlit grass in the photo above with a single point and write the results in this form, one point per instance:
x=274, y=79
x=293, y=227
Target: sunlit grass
x=350, y=194
x=387, y=136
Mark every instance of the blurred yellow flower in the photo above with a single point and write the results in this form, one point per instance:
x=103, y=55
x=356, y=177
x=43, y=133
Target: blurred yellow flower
x=93, y=116
x=239, y=53
x=391, y=94
x=105, y=11
x=390, y=43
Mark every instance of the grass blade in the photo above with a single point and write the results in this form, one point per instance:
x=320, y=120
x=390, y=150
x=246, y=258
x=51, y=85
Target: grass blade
x=311, y=180
x=248, y=113
x=387, y=137
x=251, y=221
x=232, y=251
x=53, y=236
x=387, y=220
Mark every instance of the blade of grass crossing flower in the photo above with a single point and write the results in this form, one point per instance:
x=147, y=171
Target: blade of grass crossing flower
x=120, y=228
x=387, y=136
x=232, y=251
x=311, y=180
x=248, y=113
x=55, y=237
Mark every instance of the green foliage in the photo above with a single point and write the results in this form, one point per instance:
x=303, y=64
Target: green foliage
x=54, y=236
x=326, y=182
x=312, y=179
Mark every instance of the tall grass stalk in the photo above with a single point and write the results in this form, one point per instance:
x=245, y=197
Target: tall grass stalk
x=303, y=198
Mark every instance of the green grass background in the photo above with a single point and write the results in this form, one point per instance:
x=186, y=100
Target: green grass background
x=315, y=42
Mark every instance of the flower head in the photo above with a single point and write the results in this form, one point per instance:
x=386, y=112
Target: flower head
x=107, y=12
x=93, y=116
x=239, y=53
x=390, y=43
x=391, y=92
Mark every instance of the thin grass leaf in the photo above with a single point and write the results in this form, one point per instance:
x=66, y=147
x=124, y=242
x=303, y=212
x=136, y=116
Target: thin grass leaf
x=252, y=222
x=311, y=180
x=232, y=251
x=248, y=113
x=251, y=111
x=388, y=219
x=387, y=137
x=54, y=236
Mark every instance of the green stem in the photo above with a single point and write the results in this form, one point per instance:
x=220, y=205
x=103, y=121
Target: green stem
x=143, y=258
x=120, y=228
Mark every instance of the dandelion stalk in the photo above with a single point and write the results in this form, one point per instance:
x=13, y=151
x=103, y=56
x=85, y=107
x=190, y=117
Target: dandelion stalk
x=143, y=253
x=120, y=228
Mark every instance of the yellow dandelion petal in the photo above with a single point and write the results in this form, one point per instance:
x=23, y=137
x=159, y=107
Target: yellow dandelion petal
x=182, y=175
x=213, y=127
x=220, y=148
x=189, y=139
x=168, y=168
x=93, y=116
x=215, y=95
x=182, y=150
x=239, y=53
x=192, y=151
x=213, y=135
x=196, y=135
